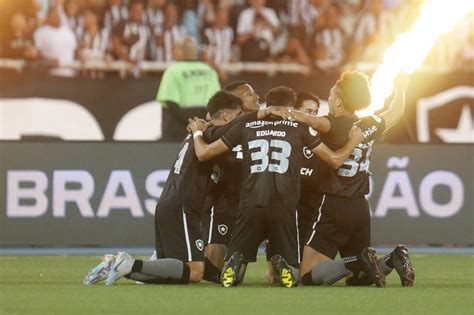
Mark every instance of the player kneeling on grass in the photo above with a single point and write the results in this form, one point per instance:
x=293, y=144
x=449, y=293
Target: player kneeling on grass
x=270, y=185
x=343, y=223
x=178, y=234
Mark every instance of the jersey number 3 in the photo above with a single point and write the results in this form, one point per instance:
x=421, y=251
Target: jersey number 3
x=267, y=154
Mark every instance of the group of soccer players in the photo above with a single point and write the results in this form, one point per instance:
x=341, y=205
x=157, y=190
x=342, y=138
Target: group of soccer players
x=279, y=174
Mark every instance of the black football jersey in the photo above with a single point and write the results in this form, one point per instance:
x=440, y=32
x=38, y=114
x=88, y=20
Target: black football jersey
x=352, y=178
x=189, y=181
x=271, y=160
x=309, y=170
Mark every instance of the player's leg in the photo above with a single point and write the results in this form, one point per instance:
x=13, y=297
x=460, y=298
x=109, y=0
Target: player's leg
x=399, y=259
x=243, y=246
x=356, y=251
x=270, y=274
x=330, y=232
x=218, y=225
x=180, y=240
x=283, y=236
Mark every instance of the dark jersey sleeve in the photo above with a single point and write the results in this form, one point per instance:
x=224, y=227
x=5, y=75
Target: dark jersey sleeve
x=233, y=136
x=372, y=127
x=213, y=134
x=311, y=137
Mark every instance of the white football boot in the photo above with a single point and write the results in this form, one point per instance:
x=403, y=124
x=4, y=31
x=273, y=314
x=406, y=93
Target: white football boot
x=100, y=272
x=122, y=266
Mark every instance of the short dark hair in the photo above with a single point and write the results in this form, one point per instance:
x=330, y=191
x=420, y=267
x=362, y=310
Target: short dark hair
x=305, y=96
x=223, y=100
x=281, y=96
x=234, y=85
x=354, y=90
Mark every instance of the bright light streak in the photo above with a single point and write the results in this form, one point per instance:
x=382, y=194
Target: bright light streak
x=410, y=49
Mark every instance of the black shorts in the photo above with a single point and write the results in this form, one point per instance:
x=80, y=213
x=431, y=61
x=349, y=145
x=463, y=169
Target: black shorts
x=342, y=225
x=217, y=226
x=178, y=233
x=277, y=225
x=308, y=208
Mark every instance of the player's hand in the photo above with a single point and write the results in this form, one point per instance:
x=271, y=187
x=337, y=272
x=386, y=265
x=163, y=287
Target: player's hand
x=281, y=112
x=196, y=124
x=356, y=134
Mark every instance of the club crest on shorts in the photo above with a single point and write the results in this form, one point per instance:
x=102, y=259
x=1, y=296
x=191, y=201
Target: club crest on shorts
x=307, y=153
x=200, y=244
x=222, y=228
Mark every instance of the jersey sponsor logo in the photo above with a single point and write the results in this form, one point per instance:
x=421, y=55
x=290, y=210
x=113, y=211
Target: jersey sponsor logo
x=312, y=132
x=306, y=171
x=273, y=133
x=369, y=131
x=200, y=244
x=262, y=123
x=307, y=153
x=222, y=228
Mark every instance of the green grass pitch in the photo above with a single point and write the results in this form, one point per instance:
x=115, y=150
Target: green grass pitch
x=53, y=285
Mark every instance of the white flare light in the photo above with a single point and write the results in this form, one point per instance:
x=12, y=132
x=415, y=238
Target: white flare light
x=410, y=49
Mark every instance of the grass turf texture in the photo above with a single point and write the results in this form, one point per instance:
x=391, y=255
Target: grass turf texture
x=53, y=285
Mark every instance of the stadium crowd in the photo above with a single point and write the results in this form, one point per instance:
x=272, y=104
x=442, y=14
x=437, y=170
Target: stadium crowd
x=325, y=34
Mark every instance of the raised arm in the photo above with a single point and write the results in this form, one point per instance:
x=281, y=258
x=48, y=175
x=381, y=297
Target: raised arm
x=321, y=124
x=397, y=107
x=336, y=159
x=204, y=151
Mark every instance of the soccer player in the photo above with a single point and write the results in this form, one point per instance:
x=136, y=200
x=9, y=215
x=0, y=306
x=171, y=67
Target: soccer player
x=310, y=198
x=343, y=222
x=270, y=185
x=219, y=222
x=178, y=214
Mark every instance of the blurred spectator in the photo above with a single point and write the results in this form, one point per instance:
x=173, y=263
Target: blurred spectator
x=314, y=14
x=19, y=41
x=93, y=40
x=116, y=13
x=374, y=32
x=218, y=39
x=166, y=36
x=294, y=53
x=256, y=31
x=329, y=41
x=71, y=16
x=191, y=19
x=349, y=14
x=130, y=38
x=207, y=11
x=154, y=13
x=56, y=42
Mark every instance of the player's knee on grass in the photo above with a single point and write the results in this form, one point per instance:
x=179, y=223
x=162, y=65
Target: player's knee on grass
x=196, y=269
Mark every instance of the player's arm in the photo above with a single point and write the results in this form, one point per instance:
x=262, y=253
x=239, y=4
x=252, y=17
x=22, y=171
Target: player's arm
x=397, y=107
x=204, y=151
x=321, y=124
x=337, y=158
